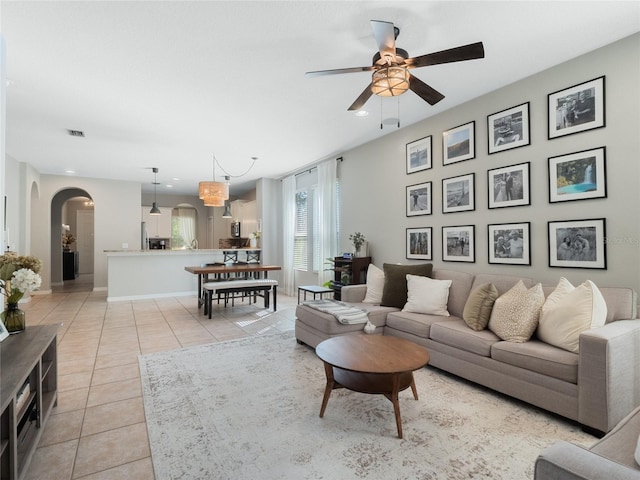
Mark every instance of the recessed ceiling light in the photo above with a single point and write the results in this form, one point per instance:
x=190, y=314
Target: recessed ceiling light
x=175, y=179
x=70, y=172
x=362, y=113
x=168, y=185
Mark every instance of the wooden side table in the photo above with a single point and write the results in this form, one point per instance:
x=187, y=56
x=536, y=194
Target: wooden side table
x=315, y=289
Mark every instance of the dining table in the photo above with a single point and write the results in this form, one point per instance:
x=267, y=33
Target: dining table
x=244, y=270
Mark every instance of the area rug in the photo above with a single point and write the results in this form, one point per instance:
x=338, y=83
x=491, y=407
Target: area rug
x=248, y=409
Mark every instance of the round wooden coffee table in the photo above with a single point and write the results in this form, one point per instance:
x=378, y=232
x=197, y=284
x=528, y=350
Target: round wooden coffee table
x=374, y=364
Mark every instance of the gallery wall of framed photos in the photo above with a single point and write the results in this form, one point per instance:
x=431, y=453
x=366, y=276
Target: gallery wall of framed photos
x=552, y=156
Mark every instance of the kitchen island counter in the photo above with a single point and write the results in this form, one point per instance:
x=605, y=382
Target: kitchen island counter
x=143, y=274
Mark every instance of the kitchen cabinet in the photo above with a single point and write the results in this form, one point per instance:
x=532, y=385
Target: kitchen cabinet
x=157, y=225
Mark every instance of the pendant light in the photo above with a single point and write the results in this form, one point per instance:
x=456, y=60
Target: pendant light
x=227, y=211
x=154, y=208
x=213, y=193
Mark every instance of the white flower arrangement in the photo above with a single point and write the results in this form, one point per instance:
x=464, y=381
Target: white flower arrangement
x=25, y=280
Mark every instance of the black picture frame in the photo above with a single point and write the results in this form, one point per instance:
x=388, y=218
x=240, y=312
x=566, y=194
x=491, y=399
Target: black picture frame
x=419, y=155
x=459, y=143
x=509, y=243
x=576, y=109
x=419, y=243
x=419, y=199
x=459, y=193
x=509, y=186
x=578, y=243
x=578, y=175
x=509, y=128
x=458, y=244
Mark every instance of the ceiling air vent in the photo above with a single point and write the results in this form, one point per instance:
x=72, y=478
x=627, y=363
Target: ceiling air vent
x=76, y=133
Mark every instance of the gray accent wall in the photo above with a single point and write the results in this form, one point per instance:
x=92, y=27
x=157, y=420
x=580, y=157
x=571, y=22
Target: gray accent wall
x=373, y=176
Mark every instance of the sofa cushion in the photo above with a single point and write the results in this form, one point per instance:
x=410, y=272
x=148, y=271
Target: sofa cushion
x=515, y=314
x=457, y=334
x=394, y=293
x=477, y=309
x=459, y=289
x=502, y=282
x=375, y=285
x=568, y=311
x=426, y=295
x=619, y=444
x=418, y=324
x=538, y=357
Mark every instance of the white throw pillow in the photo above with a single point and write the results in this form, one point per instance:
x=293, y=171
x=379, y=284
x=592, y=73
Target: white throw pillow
x=375, y=285
x=515, y=313
x=570, y=311
x=426, y=295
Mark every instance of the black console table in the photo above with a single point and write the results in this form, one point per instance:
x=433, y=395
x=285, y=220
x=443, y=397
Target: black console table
x=69, y=265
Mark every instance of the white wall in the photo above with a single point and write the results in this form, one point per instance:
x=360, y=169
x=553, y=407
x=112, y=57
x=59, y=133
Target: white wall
x=373, y=177
x=116, y=216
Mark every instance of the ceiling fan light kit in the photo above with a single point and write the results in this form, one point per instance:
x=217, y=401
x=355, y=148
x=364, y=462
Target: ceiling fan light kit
x=391, y=67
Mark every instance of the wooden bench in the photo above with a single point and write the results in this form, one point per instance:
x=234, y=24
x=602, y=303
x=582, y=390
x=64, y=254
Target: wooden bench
x=249, y=288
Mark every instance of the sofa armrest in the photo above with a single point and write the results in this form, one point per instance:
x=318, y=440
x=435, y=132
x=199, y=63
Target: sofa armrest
x=566, y=461
x=353, y=293
x=609, y=373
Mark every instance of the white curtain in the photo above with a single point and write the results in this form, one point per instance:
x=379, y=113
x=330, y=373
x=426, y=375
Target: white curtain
x=289, y=225
x=187, y=224
x=327, y=209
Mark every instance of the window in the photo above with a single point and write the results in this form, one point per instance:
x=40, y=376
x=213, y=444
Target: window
x=183, y=228
x=300, y=241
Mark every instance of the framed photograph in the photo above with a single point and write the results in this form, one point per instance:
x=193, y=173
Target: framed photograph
x=576, y=109
x=578, y=176
x=419, y=155
x=509, y=186
x=458, y=193
x=458, y=244
x=577, y=244
x=419, y=243
x=419, y=199
x=3, y=331
x=509, y=243
x=509, y=128
x=459, y=143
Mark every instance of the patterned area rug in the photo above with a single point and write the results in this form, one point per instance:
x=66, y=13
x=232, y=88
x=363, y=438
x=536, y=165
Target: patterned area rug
x=249, y=409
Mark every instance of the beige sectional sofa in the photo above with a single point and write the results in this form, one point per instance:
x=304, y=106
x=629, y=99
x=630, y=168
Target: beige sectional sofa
x=596, y=387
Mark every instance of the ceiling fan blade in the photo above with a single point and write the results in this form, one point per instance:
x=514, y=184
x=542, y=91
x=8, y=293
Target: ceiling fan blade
x=362, y=99
x=457, y=54
x=385, y=36
x=424, y=91
x=319, y=73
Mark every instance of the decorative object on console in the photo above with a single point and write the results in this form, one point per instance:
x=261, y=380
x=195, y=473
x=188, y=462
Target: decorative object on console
x=394, y=293
x=515, y=314
x=18, y=275
x=357, y=239
x=253, y=239
x=68, y=239
x=576, y=109
x=509, y=128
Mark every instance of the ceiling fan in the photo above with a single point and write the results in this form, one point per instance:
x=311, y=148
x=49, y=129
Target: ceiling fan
x=391, y=66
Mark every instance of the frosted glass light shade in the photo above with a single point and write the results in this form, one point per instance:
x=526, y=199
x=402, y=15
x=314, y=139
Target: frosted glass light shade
x=390, y=81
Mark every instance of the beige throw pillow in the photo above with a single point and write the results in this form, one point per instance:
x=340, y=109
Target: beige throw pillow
x=515, y=314
x=477, y=309
x=570, y=311
x=426, y=295
x=375, y=284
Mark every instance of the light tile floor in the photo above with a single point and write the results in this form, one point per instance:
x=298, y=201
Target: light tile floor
x=98, y=429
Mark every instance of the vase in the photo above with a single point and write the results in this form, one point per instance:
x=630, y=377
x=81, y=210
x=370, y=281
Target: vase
x=253, y=242
x=13, y=318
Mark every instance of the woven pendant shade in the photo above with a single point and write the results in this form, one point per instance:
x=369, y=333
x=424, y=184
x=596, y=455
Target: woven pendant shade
x=211, y=189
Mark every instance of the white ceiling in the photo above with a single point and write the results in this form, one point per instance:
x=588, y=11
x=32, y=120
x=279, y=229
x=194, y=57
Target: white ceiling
x=169, y=84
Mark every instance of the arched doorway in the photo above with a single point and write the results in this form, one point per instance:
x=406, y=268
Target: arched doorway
x=72, y=218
